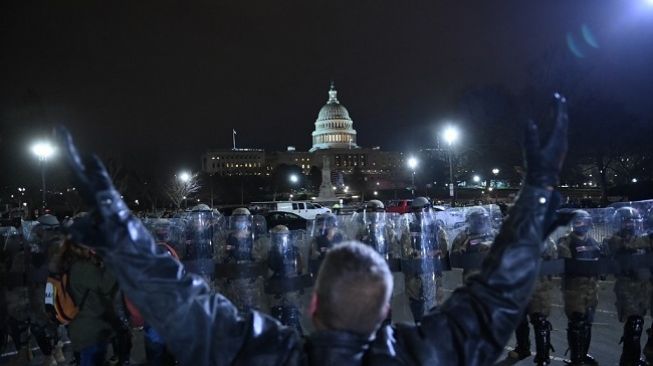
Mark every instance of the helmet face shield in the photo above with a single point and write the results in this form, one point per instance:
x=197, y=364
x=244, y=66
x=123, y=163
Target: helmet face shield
x=627, y=221
x=582, y=223
x=478, y=221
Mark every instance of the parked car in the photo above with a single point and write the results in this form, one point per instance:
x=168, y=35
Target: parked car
x=305, y=209
x=289, y=219
x=398, y=206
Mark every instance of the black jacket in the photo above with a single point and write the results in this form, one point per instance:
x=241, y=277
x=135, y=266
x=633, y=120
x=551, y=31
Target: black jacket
x=470, y=328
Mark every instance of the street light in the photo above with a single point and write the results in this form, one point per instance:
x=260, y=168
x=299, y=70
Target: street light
x=412, y=164
x=495, y=171
x=451, y=135
x=294, y=178
x=476, y=179
x=43, y=151
x=184, y=177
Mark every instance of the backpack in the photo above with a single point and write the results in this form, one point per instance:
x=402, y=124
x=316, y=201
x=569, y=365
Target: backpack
x=59, y=302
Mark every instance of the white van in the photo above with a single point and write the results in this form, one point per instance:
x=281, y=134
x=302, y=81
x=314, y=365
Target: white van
x=305, y=209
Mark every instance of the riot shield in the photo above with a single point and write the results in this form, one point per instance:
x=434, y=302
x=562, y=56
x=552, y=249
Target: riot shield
x=371, y=228
x=420, y=262
x=473, y=241
x=241, y=256
x=629, y=245
x=201, y=231
x=324, y=232
x=287, y=277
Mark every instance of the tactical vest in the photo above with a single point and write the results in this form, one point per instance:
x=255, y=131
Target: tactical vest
x=584, y=250
x=375, y=237
x=242, y=248
x=286, y=263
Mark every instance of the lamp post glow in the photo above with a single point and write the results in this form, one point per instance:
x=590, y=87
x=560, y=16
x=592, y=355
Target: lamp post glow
x=184, y=177
x=495, y=171
x=412, y=164
x=451, y=135
x=476, y=179
x=294, y=179
x=43, y=151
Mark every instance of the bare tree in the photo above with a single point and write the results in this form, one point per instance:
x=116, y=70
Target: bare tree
x=181, y=187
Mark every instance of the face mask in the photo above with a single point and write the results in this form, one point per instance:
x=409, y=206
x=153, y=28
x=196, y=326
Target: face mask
x=581, y=230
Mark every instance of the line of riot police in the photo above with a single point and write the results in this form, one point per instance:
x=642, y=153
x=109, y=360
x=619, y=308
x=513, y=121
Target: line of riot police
x=270, y=269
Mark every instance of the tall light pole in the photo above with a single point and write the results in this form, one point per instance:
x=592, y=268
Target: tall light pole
x=412, y=164
x=43, y=151
x=450, y=136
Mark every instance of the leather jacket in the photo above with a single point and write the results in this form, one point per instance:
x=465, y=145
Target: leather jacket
x=200, y=328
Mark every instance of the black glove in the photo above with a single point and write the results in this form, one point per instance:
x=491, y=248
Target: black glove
x=543, y=163
x=94, y=185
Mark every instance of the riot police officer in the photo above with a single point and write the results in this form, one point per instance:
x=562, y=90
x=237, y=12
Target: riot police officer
x=371, y=228
x=580, y=293
x=285, y=285
x=241, y=258
x=325, y=233
x=538, y=311
x=423, y=246
x=476, y=238
x=648, y=348
x=632, y=287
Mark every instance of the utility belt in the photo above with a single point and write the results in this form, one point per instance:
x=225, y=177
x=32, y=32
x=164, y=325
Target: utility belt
x=240, y=270
x=282, y=285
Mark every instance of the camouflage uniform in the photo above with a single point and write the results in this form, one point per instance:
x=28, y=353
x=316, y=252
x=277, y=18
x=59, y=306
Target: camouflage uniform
x=284, y=287
x=245, y=255
x=322, y=240
x=467, y=243
x=633, y=292
x=580, y=294
x=424, y=290
x=538, y=311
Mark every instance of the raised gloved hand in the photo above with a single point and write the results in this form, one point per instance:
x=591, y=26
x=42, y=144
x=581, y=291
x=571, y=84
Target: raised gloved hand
x=97, y=190
x=544, y=161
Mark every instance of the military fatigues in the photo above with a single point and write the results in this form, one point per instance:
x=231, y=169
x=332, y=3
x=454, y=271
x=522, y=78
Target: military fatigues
x=320, y=244
x=284, y=287
x=633, y=289
x=580, y=295
x=633, y=292
x=537, y=311
x=466, y=243
x=243, y=258
x=423, y=287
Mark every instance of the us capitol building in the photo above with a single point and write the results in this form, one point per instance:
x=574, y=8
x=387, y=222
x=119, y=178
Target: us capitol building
x=334, y=137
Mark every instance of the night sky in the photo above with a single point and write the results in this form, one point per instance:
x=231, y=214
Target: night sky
x=161, y=81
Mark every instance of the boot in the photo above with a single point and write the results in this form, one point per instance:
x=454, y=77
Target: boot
x=576, y=341
x=589, y=360
x=58, y=353
x=630, y=355
x=542, y=329
x=523, y=348
x=22, y=358
x=648, y=348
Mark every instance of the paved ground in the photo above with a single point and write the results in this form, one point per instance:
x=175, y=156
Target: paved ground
x=605, y=341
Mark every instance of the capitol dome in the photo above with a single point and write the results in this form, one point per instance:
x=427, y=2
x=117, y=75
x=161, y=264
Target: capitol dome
x=333, y=127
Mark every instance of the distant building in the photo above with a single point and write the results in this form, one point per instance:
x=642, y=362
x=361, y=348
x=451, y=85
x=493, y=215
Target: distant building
x=334, y=136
